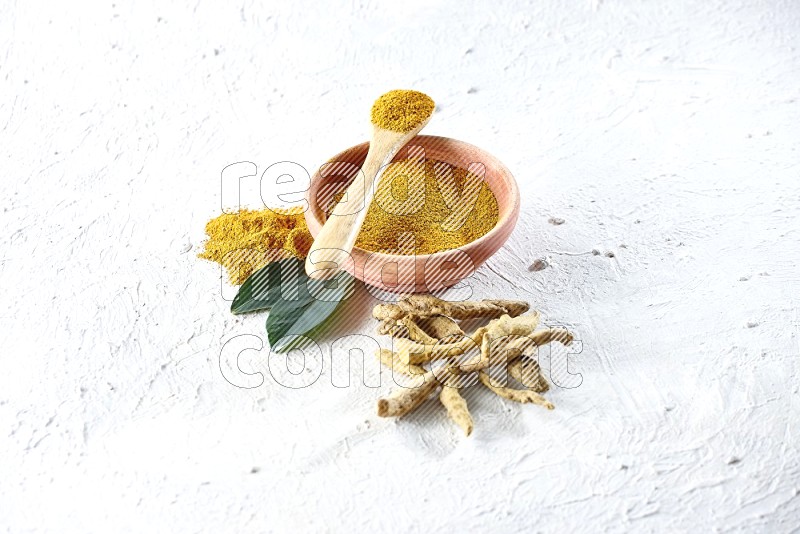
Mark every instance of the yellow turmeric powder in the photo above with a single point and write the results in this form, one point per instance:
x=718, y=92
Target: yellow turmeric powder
x=245, y=241
x=401, y=110
x=441, y=206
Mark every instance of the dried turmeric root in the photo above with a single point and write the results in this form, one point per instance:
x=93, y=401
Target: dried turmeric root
x=429, y=340
x=528, y=373
x=390, y=360
x=428, y=305
x=516, y=395
x=543, y=337
x=457, y=409
x=439, y=327
x=408, y=327
x=416, y=353
x=405, y=400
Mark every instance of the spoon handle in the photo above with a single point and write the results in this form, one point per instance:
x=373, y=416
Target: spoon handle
x=338, y=235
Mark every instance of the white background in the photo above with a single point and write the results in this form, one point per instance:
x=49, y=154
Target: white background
x=668, y=127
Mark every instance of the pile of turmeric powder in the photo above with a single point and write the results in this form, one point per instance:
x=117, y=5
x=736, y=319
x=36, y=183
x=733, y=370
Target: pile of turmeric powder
x=247, y=240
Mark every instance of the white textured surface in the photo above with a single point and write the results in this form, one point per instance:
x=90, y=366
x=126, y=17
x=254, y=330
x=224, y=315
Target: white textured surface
x=669, y=127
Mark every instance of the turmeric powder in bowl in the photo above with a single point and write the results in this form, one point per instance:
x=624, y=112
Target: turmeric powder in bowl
x=441, y=206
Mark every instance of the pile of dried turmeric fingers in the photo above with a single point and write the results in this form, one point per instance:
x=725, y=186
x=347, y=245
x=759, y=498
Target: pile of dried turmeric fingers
x=435, y=352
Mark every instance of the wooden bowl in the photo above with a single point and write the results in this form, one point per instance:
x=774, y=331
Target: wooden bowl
x=399, y=273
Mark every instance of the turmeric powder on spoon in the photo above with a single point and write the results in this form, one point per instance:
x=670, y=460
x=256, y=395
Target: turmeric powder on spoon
x=401, y=110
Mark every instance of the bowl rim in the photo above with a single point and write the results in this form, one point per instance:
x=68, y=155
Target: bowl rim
x=510, y=218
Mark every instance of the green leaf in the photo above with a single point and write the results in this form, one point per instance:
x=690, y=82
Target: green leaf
x=304, y=305
x=262, y=289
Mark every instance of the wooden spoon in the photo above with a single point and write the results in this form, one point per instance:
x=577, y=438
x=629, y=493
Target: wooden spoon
x=338, y=235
